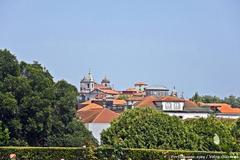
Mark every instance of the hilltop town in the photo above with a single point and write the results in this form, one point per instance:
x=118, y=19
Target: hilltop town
x=37, y=111
x=99, y=103
x=164, y=85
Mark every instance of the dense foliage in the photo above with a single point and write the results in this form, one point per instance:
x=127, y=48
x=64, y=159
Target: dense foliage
x=4, y=135
x=149, y=128
x=157, y=154
x=89, y=153
x=232, y=100
x=236, y=131
x=208, y=129
x=36, y=110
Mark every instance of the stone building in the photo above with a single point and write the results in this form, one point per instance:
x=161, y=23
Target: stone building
x=87, y=84
x=90, y=89
x=159, y=91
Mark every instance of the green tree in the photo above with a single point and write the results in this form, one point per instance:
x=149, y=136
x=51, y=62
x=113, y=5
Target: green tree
x=4, y=135
x=196, y=97
x=8, y=64
x=211, y=99
x=208, y=128
x=232, y=100
x=74, y=135
x=39, y=77
x=148, y=128
x=8, y=107
x=66, y=130
x=236, y=131
x=35, y=115
x=17, y=86
x=66, y=100
x=206, y=98
x=34, y=108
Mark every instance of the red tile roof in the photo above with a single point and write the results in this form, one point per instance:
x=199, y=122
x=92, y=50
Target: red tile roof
x=97, y=115
x=139, y=94
x=147, y=102
x=119, y=102
x=171, y=99
x=87, y=102
x=99, y=86
x=190, y=104
x=90, y=106
x=109, y=91
x=224, y=108
x=135, y=98
x=88, y=116
x=105, y=116
x=140, y=84
x=132, y=90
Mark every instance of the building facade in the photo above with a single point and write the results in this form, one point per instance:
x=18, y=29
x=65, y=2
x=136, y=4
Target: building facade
x=90, y=89
x=159, y=91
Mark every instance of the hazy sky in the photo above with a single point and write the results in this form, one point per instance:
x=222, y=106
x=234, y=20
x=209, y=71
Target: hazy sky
x=194, y=45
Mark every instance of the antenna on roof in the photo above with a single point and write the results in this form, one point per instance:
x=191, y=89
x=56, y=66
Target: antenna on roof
x=182, y=95
x=89, y=72
x=174, y=92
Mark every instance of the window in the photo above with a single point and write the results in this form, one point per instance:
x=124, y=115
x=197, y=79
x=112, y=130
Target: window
x=88, y=85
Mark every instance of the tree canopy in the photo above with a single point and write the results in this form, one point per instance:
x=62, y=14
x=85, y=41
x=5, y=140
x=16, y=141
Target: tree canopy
x=147, y=128
x=34, y=108
x=232, y=100
x=207, y=129
x=236, y=131
x=4, y=135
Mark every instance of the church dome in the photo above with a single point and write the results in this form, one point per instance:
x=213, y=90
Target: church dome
x=105, y=80
x=87, y=78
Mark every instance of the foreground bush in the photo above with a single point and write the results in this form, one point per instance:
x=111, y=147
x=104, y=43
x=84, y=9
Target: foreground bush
x=236, y=131
x=213, y=134
x=148, y=128
x=41, y=153
x=156, y=154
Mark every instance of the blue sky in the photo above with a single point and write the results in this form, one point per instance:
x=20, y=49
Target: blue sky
x=194, y=45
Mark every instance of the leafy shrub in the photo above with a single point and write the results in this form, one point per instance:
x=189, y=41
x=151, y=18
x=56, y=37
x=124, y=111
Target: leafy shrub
x=148, y=128
x=207, y=128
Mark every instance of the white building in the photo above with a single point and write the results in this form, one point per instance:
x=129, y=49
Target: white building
x=185, y=109
x=87, y=84
x=96, y=118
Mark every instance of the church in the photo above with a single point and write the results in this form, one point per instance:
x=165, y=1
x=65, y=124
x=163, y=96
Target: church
x=90, y=89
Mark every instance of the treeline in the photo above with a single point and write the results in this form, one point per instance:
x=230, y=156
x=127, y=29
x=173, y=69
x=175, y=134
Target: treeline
x=151, y=129
x=35, y=110
x=232, y=100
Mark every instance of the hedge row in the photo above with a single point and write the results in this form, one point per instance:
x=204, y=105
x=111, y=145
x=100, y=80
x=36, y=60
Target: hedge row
x=155, y=154
x=43, y=153
x=71, y=153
